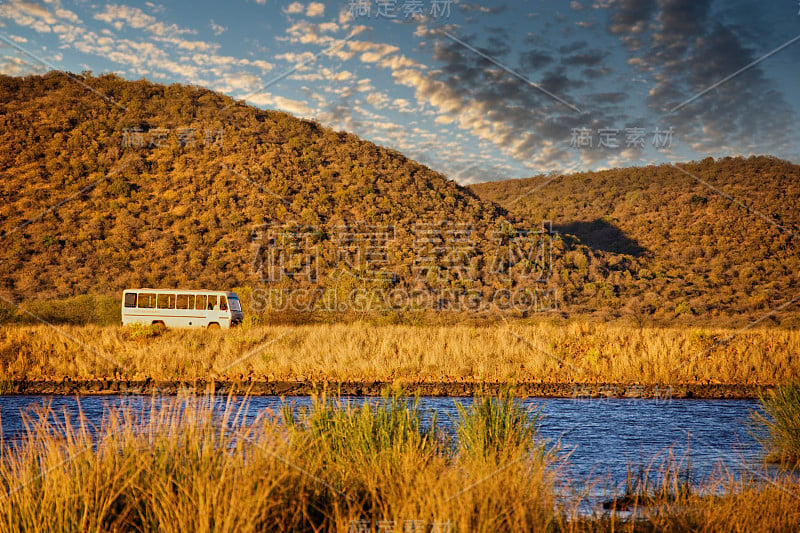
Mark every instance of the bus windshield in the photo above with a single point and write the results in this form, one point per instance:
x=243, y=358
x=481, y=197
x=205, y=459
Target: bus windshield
x=235, y=305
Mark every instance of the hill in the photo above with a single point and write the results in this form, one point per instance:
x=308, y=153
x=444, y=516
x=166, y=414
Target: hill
x=108, y=183
x=709, y=240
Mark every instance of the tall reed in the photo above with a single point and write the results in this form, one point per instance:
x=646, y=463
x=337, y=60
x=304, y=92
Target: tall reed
x=781, y=420
x=190, y=464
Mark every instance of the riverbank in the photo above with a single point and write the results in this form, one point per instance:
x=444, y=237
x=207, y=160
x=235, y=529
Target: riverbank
x=377, y=388
x=542, y=358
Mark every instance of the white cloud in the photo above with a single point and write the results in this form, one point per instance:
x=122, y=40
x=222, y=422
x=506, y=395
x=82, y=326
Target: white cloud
x=184, y=44
x=315, y=9
x=294, y=57
x=135, y=17
x=345, y=16
x=309, y=33
x=240, y=81
x=372, y=52
x=281, y=103
x=364, y=84
x=65, y=14
x=294, y=8
x=217, y=28
x=377, y=100
x=120, y=16
x=328, y=27
x=35, y=16
x=16, y=66
x=342, y=75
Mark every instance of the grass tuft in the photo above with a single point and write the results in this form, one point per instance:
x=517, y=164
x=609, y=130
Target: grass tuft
x=781, y=419
x=496, y=427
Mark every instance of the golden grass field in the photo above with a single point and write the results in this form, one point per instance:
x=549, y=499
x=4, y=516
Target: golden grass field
x=576, y=352
x=188, y=465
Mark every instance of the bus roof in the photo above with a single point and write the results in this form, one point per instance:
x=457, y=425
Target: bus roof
x=181, y=291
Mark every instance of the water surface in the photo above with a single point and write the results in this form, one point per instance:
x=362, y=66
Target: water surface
x=596, y=440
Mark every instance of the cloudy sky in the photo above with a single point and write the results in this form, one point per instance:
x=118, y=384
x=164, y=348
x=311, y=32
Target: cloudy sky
x=479, y=91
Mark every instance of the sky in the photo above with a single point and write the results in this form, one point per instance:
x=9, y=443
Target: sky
x=479, y=91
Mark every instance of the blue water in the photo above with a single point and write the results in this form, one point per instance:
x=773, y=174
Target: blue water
x=602, y=440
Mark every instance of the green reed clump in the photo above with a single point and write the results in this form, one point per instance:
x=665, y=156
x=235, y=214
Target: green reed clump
x=781, y=419
x=497, y=427
x=365, y=433
x=141, y=332
x=373, y=452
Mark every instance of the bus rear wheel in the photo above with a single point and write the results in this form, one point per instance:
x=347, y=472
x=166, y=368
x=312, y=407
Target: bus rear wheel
x=213, y=325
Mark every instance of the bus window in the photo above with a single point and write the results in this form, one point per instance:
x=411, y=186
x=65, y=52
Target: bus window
x=130, y=299
x=223, y=304
x=212, y=302
x=166, y=301
x=185, y=301
x=147, y=300
x=200, y=302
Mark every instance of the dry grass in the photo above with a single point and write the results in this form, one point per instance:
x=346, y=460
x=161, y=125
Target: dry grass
x=190, y=468
x=741, y=503
x=575, y=352
x=188, y=465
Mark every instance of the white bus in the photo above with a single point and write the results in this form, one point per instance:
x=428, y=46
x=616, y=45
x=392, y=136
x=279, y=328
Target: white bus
x=181, y=308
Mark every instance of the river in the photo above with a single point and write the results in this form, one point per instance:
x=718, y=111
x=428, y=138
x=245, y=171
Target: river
x=596, y=440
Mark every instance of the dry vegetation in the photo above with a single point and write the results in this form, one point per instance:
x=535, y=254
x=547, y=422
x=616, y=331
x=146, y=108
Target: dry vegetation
x=185, y=215
x=653, y=245
x=513, y=351
x=727, y=503
x=187, y=465
x=677, y=249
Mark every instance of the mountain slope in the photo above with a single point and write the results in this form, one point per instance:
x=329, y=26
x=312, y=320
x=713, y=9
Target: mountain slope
x=138, y=184
x=153, y=207
x=711, y=239
x=107, y=183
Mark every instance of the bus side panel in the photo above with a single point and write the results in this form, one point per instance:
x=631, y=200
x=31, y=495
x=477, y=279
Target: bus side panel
x=132, y=317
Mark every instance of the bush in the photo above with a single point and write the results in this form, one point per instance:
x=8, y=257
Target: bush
x=77, y=310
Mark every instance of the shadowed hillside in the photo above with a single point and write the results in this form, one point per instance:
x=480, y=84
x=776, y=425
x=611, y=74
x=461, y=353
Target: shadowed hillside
x=712, y=249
